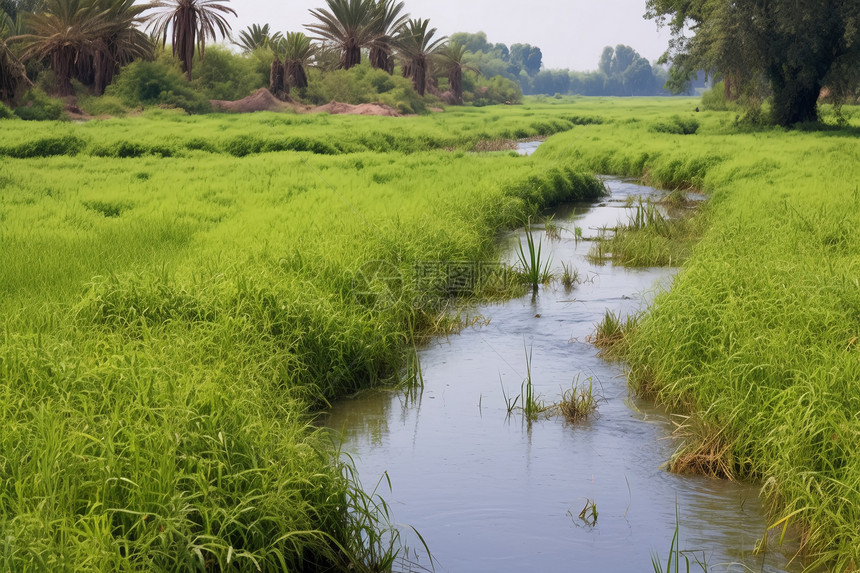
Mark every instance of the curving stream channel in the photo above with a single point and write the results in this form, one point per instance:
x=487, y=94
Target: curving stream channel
x=491, y=492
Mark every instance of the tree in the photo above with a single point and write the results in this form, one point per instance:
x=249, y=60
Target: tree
x=451, y=60
x=796, y=45
x=627, y=73
x=191, y=23
x=256, y=37
x=473, y=42
x=119, y=43
x=65, y=30
x=416, y=46
x=388, y=24
x=298, y=53
x=12, y=73
x=527, y=57
x=350, y=25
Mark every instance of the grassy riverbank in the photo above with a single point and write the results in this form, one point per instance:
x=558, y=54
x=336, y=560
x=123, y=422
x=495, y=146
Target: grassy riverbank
x=180, y=294
x=758, y=339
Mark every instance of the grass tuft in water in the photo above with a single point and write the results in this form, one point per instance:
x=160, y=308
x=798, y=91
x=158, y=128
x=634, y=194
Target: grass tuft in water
x=535, y=270
x=611, y=332
x=649, y=238
x=578, y=403
x=570, y=276
x=552, y=230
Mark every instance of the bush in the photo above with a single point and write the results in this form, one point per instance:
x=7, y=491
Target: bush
x=363, y=84
x=38, y=106
x=6, y=113
x=495, y=90
x=223, y=75
x=157, y=83
x=715, y=98
x=103, y=105
x=46, y=147
x=677, y=125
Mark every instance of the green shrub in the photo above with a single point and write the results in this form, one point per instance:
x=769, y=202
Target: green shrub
x=495, y=90
x=6, y=113
x=45, y=147
x=38, y=106
x=157, y=83
x=124, y=149
x=103, y=105
x=223, y=75
x=677, y=125
x=715, y=98
x=362, y=84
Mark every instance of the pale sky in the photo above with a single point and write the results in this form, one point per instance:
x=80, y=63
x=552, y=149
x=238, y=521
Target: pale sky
x=570, y=33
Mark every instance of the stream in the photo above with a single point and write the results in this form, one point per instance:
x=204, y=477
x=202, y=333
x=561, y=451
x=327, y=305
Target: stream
x=489, y=491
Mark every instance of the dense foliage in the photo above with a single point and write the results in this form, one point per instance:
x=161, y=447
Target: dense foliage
x=798, y=48
x=621, y=70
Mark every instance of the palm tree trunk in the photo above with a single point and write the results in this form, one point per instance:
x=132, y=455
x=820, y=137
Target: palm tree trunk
x=419, y=75
x=455, y=83
x=351, y=55
x=295, y=75
x=64, y=65
x=276, y=79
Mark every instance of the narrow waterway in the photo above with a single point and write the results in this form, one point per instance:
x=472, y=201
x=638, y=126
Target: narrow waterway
x=490, y=492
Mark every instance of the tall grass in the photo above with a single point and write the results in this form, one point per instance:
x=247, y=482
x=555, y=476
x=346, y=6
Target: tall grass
x=756, y=341
x=534, y=269
x=171, y=322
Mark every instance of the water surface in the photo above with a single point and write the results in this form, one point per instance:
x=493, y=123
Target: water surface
x=491, y=492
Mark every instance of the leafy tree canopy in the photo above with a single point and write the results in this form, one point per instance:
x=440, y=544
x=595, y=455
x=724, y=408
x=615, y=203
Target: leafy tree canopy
x=527, y=57
x=796, y=46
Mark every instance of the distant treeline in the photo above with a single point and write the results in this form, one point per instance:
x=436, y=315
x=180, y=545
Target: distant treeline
x=621, y=70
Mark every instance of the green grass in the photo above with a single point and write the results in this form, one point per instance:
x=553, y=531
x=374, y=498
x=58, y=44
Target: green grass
x=757, y=339
x=578, y=403
x=178, y=299
x=533, y=269
x=174, y=312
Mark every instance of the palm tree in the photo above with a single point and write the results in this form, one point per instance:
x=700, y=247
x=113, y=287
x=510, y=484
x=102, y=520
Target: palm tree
x=389, y=23
x=451, y=61
x=191, y=22
x=350, y=25
x=298, y=53
x=64, y=31
x=417, y=46
x=12, y=73
x=256, y=37
x=277, y=85
x=120, y=43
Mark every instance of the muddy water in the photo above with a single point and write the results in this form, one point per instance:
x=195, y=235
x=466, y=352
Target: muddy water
x=491, y=492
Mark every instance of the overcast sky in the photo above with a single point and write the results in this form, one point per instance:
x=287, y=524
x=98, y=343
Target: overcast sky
x=570, y=33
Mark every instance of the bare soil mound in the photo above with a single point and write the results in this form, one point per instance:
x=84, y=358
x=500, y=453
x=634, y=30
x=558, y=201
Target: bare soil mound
x=260, y=100
x=337, y=107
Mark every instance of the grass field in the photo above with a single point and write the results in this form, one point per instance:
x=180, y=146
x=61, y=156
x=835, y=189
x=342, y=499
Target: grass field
x=174, y=312
x=180, y=294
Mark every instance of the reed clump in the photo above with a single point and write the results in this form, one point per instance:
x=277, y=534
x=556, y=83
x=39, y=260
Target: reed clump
x=578, y=403
x=613, y=332
x=650, y=237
